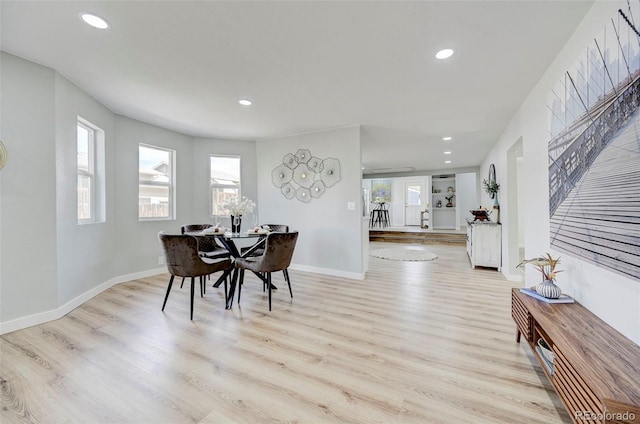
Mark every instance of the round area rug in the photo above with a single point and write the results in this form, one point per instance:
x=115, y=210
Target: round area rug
x=403, y=254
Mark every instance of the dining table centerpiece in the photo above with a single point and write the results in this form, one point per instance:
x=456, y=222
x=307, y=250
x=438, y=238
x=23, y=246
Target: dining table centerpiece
x=237, y=206
x=547, y=267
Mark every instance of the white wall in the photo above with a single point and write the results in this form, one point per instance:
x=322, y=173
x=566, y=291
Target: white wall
x=330, y=239
x=467, y=188
x=28, y=282
x=138, y=246
x=84, y=252
x=614, y=298
x=202, y=148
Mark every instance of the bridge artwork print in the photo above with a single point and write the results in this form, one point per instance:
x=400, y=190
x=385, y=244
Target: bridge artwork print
x=594, y=150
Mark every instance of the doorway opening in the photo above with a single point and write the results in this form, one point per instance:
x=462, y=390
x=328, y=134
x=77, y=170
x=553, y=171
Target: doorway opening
x=413, y=202
x=515, y=208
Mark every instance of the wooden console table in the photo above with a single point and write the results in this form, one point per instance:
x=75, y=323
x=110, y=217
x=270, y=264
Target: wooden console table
x=596, y=370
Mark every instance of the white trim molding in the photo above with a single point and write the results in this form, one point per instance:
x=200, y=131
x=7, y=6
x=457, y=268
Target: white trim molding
x=42, y=317
x=328, y=271
x=512, y=277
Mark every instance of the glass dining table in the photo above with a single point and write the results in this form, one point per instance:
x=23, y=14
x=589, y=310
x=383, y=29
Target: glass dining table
x=230, y=242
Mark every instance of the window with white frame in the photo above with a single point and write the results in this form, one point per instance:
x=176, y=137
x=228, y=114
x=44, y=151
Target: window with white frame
x=224, y=181
x=90, y=169
x=156, y=176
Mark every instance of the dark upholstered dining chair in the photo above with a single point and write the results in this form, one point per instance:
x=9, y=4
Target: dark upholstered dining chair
x=182, y=259
x=278, y=251
x=277, y=228
x=207, y=245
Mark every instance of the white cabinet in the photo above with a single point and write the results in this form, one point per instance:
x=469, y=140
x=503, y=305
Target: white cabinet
x=484, y=244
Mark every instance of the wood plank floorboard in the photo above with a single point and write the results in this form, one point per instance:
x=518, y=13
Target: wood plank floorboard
x=415, y=342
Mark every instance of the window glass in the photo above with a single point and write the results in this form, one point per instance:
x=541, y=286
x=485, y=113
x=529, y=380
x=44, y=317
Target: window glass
x=85, y=160
x=224, y=181
x=155, y=182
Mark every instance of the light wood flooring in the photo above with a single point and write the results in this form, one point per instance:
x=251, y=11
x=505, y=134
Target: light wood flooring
x=416, y=342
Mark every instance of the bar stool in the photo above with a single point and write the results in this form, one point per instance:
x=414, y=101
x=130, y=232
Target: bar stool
x=379, y=215
x=373, y=215
x=384, y=211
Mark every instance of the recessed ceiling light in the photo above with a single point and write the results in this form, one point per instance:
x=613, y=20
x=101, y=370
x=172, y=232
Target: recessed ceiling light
x=94, y=21
x=447, y=153
x=446, y=138
x=245, y=102
x=443, y=54
x=447, y=161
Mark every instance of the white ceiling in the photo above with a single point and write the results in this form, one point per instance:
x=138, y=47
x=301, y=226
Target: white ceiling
x=307, y=66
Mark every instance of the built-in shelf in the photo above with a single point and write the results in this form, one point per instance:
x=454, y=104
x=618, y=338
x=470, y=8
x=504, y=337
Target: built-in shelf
x=442, y=187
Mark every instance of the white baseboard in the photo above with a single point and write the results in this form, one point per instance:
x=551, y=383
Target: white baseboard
x=328, y=271
x=137, y=275
x=42, y=317
x=513, y=277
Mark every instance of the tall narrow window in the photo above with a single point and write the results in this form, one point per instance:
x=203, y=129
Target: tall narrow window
x=156, y=183
x=86, y=174
x=89, y=166
x=224, y=181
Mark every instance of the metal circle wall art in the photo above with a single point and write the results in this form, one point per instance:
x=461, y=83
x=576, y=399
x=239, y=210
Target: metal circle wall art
x=304, y=176
x=4, y=156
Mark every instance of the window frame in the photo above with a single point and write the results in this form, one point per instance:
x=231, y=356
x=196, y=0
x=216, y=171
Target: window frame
x=212, y=186
x=169, y=184
x=90, y=172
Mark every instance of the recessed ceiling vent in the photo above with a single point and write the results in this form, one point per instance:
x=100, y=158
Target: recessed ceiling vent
x=390, y=170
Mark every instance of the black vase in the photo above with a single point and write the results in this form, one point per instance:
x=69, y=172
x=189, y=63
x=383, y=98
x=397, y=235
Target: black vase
x=236, y=221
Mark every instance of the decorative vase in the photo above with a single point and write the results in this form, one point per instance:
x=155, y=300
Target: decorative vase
x=548, y=289
x=495, y=200
x=236, y=221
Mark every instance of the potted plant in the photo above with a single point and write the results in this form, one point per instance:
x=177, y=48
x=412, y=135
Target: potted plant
x=547, y=267
x=491, y=187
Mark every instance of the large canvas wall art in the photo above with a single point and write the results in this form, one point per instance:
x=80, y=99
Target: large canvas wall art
x=594, y=150
x=381, y=190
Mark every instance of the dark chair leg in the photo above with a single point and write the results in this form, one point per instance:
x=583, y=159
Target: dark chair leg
x=181, y=284
x=201, y=287
x=166, y=296
x=240, y=281
x=226, y=275
x=232, y=288
x=192, y=293
x=286, y=277
x=226, y=292
x=269, y=284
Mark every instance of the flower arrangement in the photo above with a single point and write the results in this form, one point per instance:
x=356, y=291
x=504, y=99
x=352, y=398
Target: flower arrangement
x=491, y=187
x=238, y=206
x=546, y=266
